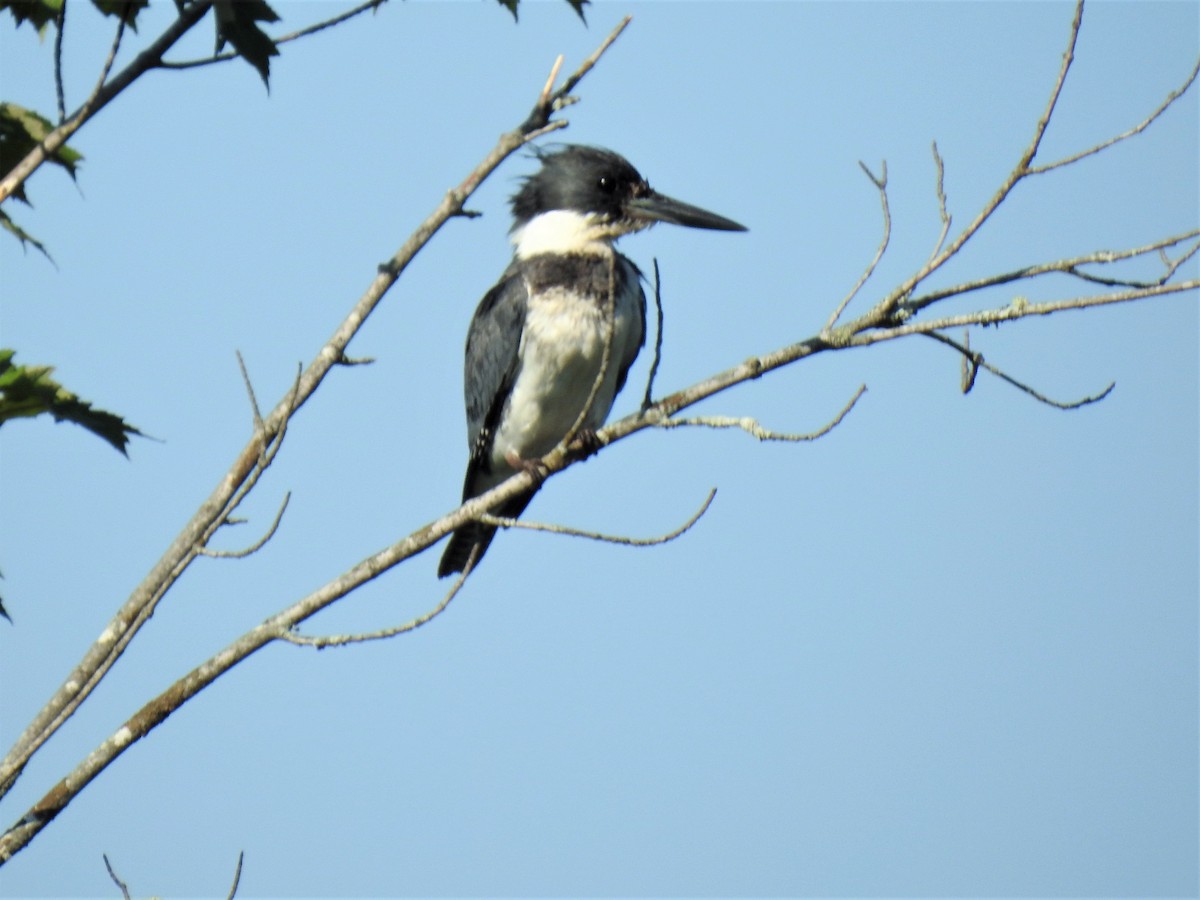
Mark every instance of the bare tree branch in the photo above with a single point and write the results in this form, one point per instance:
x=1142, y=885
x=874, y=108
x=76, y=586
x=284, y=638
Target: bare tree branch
x=342, y=640
x=943, y=211
x=287, y=38
x=881, y=186
x=753, y=428
x=975, y=361
x=116, y=878
x=658, y=339
x=887, y=320
x=257, y=545
x=237, y=876
x=506, y=522
x=1072, y=266
x=104, y=93
x=1125, y=135
x=60, y=94
x=213, y=513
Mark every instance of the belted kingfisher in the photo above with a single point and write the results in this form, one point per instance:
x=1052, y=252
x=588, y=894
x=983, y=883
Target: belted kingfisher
x=537, y=341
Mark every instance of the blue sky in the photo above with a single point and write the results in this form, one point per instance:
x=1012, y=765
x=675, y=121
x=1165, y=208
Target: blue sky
x=950, y=649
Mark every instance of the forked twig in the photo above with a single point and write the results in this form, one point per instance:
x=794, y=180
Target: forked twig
x=1135, y=130
x=881, y=186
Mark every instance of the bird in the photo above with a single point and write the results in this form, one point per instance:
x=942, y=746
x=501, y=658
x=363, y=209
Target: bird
x=536, y=344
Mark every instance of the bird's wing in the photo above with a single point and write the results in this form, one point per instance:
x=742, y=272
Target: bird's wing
x=634, y=274
x=493, y=357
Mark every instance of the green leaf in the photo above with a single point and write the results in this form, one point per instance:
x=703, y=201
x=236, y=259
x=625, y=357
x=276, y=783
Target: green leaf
x=511, y=6
x=23, y=129
x=30, y=391
x=126, y=10
x=23, y=236
x=237, y=23
x=38, y=13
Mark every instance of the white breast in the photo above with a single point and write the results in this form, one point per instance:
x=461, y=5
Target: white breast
x=562, y=349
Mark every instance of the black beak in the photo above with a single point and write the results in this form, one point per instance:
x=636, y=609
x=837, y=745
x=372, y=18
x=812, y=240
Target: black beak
x=660, y=208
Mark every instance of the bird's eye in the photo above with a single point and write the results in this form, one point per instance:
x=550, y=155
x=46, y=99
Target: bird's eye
x=606, y=184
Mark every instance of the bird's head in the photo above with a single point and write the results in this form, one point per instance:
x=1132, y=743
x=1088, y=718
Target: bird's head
x=585, y=196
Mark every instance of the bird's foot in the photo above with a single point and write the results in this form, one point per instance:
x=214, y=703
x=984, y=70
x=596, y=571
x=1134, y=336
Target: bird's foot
x=588, y=442
x=534, y=467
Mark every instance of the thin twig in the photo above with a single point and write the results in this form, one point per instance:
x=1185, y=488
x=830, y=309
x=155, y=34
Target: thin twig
x=287, y=38
x=116, y=878
x=342, y=640
x=883, y=311
x=587, y=65
x=943, y=210
x=258, y=420
x=1019, y=308
x=61, y=23
x=969, y=368
x=1135, y=130
x=978, y=362
x=881, y=186
x=658, y=339
x=506, y=522
x=107, y=67
x=257, y=545
x=1071, y=267
x=237, y=876
x=105, y=91
x=548, y=88
x=753, y=428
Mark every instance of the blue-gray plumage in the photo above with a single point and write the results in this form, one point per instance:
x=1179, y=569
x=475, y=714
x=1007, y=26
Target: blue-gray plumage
x=536, y=344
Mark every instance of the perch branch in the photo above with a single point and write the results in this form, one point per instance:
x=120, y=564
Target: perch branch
x=136, y=610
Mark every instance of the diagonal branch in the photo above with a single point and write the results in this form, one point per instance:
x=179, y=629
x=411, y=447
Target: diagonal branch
x=212, y=513
x=103, y=94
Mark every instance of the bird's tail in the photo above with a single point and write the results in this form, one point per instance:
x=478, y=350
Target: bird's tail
x=476, y=534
